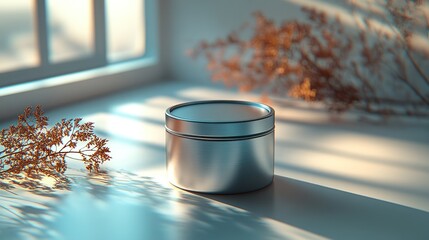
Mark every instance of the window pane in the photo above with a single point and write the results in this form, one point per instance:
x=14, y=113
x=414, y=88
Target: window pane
x=70, y=29
x=18, y=44
x=125, y=29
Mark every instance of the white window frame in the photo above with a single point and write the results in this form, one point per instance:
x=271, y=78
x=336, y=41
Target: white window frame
x=82, y=78
x=47, y=69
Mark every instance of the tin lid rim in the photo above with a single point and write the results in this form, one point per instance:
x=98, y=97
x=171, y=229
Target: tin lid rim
x=269, y=109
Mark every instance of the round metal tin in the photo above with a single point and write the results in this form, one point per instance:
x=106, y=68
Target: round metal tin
x=220, y=146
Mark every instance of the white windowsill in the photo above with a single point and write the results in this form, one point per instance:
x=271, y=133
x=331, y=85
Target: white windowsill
x=60, y=90
x=77, y=77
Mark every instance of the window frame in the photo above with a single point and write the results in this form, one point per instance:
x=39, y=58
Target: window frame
x=98, y=58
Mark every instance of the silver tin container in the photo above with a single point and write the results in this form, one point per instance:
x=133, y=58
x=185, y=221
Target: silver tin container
x=220, y=146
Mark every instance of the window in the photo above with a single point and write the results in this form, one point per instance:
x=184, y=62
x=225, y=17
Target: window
x=46, y=38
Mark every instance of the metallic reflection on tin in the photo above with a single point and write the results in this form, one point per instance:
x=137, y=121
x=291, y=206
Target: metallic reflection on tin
x=220, y=146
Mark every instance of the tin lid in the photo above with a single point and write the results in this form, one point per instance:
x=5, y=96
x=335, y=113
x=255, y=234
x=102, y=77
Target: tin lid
x=219, y=118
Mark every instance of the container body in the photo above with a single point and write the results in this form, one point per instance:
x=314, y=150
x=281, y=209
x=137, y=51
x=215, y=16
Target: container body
x=221, y=147
x=220, y=166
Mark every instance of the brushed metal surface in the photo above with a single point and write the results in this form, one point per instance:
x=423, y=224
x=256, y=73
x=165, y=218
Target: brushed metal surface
x=216, y=166
x=220, y=146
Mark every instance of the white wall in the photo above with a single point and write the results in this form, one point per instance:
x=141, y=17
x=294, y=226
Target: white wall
x=190, y=21
x=187, y=22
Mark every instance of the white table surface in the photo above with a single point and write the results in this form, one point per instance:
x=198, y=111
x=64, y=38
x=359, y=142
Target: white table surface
x=343, y=178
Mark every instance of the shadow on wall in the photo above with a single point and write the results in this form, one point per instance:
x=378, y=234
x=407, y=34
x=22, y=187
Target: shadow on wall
x=359, y=83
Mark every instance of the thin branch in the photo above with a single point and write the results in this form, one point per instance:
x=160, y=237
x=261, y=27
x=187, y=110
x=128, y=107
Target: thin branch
x=71, y=138
x=11, y=154
x=417, y=66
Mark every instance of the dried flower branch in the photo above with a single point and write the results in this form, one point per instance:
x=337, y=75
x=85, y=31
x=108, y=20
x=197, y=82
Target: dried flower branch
x=321, y=60
x=31, y=150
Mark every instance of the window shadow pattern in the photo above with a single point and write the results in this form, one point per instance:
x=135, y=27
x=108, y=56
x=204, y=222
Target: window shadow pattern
x=122, y=205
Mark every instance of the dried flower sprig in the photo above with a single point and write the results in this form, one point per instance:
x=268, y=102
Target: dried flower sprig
x=321, y=60
x=31, y=149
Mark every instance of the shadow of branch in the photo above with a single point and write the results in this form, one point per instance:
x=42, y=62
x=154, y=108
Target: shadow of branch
x=121, y=205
